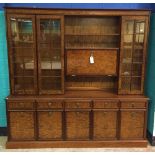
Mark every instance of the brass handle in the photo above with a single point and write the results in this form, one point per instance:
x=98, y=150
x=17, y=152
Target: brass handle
x=133, y=114
x=50, y=103
x=21, y=114
x=77, y=113
x=49, y=113
x=133, y=105
x=77, y=105
x=104, y=113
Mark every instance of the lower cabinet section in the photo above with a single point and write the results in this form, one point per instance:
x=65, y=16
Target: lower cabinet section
x=132, y=124
x=77, y=125
x=49, y=125
x=76, y=120
x=105, y=125
x=21, y=125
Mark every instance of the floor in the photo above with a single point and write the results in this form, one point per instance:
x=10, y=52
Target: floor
x=3, y=141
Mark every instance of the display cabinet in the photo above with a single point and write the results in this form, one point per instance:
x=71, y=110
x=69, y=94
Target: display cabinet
x=77, y=78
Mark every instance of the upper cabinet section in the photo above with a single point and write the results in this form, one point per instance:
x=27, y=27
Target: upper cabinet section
x=132, y=54
x=92, y=32
x=50, y=54
x=22, y=53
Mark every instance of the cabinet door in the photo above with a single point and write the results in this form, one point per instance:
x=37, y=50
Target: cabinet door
x=132, y=54
x=50, y=125
x=77, y=125
x=132, y=124
x=21, y=125
x=22, y=53
x=50, y=54
x=105, y=125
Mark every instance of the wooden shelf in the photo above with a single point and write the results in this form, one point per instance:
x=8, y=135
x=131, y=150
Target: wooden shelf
x=87, y=75
x=82, y=34
x=104, y=48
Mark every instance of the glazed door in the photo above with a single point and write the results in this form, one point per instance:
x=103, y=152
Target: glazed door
x=50, y=54
x=132, y=55
x=22, y=53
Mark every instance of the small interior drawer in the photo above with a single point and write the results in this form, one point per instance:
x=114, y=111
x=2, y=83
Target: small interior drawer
x=20, y=105
x=77, y=104
x=49, y=105
x=133, y=104
x=105, y=104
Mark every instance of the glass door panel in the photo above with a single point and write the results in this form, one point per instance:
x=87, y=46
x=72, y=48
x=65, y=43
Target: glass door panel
x=22, y=53
x=136, y=84
x=131, y=55
x=50, y=54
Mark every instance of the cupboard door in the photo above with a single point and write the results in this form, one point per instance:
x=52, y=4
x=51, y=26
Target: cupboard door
x=105, y=124
x=21, y=125
x=50, y=54
x=22, y=53
x=132, y=124
x=132, y=54
x=50, y=125
x=77, y=125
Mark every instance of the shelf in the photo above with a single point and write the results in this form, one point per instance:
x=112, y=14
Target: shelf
x=115, y=34
x=87, y=75
x=87, y=48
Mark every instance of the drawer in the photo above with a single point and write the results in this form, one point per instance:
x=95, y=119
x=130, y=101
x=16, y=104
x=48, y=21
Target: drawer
x=133, y=104
x=21, y=105
x=50, y=105
x=105, y=104
x=77, y=104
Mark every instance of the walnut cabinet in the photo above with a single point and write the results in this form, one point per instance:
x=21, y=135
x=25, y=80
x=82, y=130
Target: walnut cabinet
x=77, y=77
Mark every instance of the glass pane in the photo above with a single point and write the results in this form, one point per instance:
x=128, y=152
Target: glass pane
x=50, y=30
x=137, y=55
x=140, y=27
x=129, y=27
x=48, y=83
x=125, y=83
x=127, y=55
x=139, y=38
x=136, y=69
x=29, y=85
x=126, y=69
x=136, y=83
x=19, y=85
x=50, y=55
x=21, y=30
x=18, y=69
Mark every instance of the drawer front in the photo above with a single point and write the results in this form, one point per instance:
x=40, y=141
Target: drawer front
x=105, y=124
x=49, y=105
x=21, y=105
x=77, y=124
x=50, y=125
x=133, y=104
x=21, y=125
x=132, y=124
x=105, y=104
x=77, y=104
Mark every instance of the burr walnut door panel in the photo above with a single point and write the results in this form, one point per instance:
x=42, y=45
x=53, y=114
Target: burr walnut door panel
x=50, y=125
x=78, y=62
x=77, y=124
x=105, y=124
x=132, y=124
x=21, y=125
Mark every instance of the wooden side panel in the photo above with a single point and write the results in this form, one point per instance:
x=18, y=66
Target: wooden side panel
x=77, y=125
x=105, y=123
x=21, y=125
x=78, y=62
x=50, y=125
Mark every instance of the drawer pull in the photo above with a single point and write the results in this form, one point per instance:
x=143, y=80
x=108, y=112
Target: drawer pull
x=133, y=114
x=49, y=113
x=77, y=113
x=21, y=114
x=77, y=105
x=104, y=113
x=49, y=103
x=133, y=105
